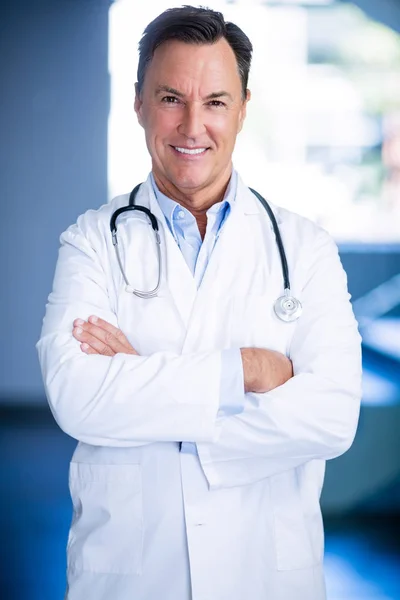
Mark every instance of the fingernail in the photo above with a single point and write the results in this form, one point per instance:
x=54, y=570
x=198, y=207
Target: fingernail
x=79, y=322
x=84, y=347
x=93, y=319
x=78, y=330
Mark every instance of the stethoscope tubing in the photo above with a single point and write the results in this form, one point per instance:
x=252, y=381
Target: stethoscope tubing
x=287, y=308
x=278, y=237
x=154, y=224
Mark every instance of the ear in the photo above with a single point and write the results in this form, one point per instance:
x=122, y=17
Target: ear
x=138, y=105
x=243, y=110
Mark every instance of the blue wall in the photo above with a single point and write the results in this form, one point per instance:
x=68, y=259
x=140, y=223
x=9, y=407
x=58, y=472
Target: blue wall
x=54, y=105
x=386, y=11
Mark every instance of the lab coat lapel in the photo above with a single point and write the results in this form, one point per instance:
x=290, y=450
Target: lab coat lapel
x=238, y=265
x=240, y=262
x=177, y=278
x=235, y=260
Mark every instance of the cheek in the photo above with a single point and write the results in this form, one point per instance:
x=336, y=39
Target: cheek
x=163, y=123
x=224, y=129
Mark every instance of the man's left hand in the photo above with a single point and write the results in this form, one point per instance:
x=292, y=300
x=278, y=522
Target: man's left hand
x=100, y=337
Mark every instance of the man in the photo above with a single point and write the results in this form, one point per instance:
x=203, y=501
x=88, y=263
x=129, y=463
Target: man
x=203, y=420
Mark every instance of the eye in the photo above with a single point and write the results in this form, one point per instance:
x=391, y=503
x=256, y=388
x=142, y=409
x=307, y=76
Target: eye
x=216, y=103
x=170, y=99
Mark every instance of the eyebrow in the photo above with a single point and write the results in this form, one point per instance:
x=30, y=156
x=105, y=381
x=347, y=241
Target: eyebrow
x=213, y=96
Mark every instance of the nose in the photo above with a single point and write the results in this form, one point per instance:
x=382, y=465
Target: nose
x=192, y=125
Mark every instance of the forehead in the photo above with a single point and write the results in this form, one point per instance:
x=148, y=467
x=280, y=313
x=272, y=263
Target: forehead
x=181, y=66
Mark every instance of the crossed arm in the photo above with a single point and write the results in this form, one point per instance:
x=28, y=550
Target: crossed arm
x=263, y=370
x=119, y=398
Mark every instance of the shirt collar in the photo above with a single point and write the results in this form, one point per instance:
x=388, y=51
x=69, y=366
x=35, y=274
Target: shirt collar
x=168, y=205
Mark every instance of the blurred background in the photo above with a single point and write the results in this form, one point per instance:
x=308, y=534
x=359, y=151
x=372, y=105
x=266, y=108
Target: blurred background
x=322, y=138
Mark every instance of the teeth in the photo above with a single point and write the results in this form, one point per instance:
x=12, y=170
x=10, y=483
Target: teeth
x=187, y=151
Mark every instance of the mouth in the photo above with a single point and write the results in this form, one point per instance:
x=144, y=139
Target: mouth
x=190, y=153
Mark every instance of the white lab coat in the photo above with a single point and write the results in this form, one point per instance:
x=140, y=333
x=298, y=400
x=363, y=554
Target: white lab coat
x=241, y=520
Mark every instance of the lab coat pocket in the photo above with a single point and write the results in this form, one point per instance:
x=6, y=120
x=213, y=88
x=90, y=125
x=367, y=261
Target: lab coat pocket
x=292, y=541
x=106, y=534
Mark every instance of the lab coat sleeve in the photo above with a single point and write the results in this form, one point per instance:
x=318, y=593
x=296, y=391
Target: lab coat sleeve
x=232, y=390
x=232, y=383
x=125, y=400
x=314, y=415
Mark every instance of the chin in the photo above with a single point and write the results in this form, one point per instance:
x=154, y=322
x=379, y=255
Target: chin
x=190, y=180
x=189, y=183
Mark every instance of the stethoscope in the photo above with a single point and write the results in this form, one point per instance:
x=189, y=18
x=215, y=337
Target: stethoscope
x=287, y=307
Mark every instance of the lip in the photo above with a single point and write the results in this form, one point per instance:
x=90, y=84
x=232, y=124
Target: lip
x=189, y=156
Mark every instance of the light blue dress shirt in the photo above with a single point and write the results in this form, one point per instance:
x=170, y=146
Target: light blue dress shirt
x=196, y=252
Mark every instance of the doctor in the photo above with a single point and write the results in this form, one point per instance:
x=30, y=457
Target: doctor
x=203, y=421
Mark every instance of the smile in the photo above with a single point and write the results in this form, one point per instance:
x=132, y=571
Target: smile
x=190, y=151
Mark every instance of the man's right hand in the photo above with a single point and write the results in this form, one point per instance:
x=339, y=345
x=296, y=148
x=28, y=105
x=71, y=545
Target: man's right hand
x=264, y=370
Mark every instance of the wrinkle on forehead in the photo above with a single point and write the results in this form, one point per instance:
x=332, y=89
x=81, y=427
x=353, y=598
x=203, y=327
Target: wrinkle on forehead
x=196, y=71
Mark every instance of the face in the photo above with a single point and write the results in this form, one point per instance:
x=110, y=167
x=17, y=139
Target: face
x=191, y=109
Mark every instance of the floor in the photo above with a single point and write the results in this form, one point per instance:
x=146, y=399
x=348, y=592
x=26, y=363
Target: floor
x=362, y=555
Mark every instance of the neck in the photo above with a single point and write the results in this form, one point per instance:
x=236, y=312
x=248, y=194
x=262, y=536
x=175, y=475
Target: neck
x=196, y=200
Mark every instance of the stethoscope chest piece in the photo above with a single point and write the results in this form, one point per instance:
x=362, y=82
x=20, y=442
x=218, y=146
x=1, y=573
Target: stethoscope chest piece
x=288, y=308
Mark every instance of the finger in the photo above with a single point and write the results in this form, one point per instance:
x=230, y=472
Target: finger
x=111, y=336
x=111, y=329
x=107, y=339
x=106, y=344
x=88, y=350
x=84, y=336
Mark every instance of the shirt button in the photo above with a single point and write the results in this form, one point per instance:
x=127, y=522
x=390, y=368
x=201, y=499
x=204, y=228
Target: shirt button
x=181, y=214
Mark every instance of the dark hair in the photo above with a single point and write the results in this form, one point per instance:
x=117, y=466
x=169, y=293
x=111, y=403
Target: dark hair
x=194, y=25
